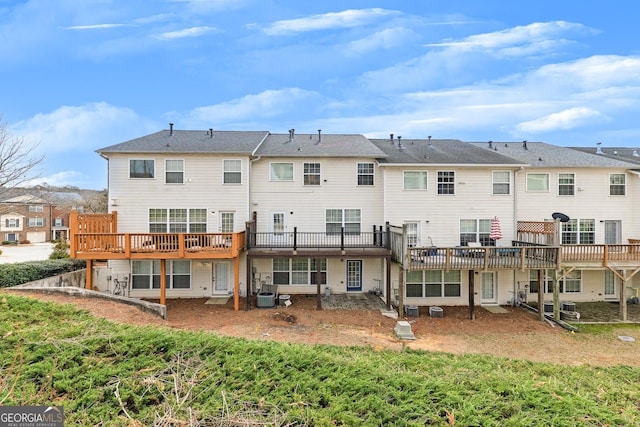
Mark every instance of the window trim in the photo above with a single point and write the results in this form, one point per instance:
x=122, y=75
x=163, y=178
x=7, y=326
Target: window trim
x=448, y=182
x=546, y=190
x=136, y=159
x=562, y=185
x=616, y=185
x=167, y=171
x=365, y=174
x=40, y=222
x=273, y=178
x=308, y=175
x=310, y=272
x=479, y=234
x=227, y=172
x=167, y=224
x=151, y=275
x=410, y=283
x=221, y=222
x=425, y=174
x=494, y=182
x=36, y=208
x=343, y=222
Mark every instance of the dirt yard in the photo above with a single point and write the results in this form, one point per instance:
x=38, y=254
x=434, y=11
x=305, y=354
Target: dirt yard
x=516, y=334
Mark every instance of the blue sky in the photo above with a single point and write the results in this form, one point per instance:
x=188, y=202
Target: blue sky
x=80, y=75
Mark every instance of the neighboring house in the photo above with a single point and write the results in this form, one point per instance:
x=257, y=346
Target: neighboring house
x=204, y=213
x=37, y=218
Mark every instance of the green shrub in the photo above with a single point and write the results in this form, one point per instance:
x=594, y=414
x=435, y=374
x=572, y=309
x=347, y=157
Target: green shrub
x=23, y=272
x=60, y=250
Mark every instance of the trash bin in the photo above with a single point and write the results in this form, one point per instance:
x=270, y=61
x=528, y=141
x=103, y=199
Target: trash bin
x=327, y=291
x=282, y=299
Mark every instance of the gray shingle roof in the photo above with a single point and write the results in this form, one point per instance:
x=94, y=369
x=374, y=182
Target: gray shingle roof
x=440, y=151
x=627, y=154
x=540, y=154
x=191, y=141
x=310, y=145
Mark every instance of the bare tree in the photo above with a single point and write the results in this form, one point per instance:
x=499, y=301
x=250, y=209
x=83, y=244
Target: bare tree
x=17, y=159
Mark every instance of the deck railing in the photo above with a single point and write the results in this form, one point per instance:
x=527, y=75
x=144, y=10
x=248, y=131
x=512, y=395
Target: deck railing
x=600, y=253
x=317, y=240
x=138, y=245
x=481, y=258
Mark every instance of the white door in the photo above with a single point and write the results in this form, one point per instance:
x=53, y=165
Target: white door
x=279, y=227
x=354, y=275
x=488, y=288
x=220, y=278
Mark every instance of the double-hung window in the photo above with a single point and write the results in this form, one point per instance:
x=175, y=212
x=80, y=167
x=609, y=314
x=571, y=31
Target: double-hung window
x=413, y=233
x=174, y=171
x=446, y=182
x=566, y=184
x=501, y=182
x=579, y=231
x=414, y=180
x=145, y=274
x=36, y=208
x=177, y=220
x=311, y=174
x=142, y=168
x=281, y=172
x=232, y=171
x=570, y=284
x=475, y=230
x=335, y=219
x=12, y=223
x=36, y=222
x=433, y=284
x=299, y=271
x=617, y=183
x=365, y=173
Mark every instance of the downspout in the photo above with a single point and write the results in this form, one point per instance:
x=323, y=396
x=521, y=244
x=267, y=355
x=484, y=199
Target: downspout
x=515, y=225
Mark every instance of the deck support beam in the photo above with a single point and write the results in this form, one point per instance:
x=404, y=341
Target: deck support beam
x=89, y=279
x=163, y=281
x=472, y=293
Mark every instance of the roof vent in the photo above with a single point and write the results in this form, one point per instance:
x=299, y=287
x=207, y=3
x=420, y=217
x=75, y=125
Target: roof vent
x=539, y=159
x=210, y=133
x=490, y=144
x=506, y=145
x=391, y=138
x=524, y=144
x=170, y=129
x=634, y=153
x=598, y=148
x=319, y=135
x=400, y=147
x=429, y=137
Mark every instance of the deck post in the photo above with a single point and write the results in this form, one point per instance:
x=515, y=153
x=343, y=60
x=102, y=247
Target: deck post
x=318, y=297
x=540, y=296
x=556, y=296
x=163, y=281
x=401, y=293
x=249, y=280
x=623, y=301
x=388, y=281
x=236, y=284
x=89, y=280
x=472, y=307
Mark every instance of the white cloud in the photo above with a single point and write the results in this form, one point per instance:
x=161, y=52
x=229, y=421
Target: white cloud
x=385, y=39
x=59, y=179
x=95, y=27
x=563, y=120
x=267, y=104
x=87, y=126
x=345, y=19
x=187, y=32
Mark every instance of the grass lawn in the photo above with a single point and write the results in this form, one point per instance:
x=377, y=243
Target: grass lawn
x=108, y=374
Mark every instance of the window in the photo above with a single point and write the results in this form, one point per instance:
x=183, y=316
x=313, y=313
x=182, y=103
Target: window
x=501, y=182
x=537, y=182
x=433, y=284
x=570, y=284
x=146, y=274
x=298, y=271
x=141, y=168
x=36, y=222
x=578, y=231
x=617, y=184
x=335, y=219
x=414, y=180
x=281, y=171
x=312, y=174
x=365, y=173
x=446, y=182
x=566, y=184
x=475, y=230
x=227, y=222
x=413, y=233
x=58, y=222
x=36, y=208
x=177, y=220
x=174, y=171
x=609, y=283
x=12, y=223
x=232, y=171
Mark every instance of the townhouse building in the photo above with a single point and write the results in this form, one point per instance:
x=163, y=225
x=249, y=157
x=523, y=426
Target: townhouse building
x=422, y=221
